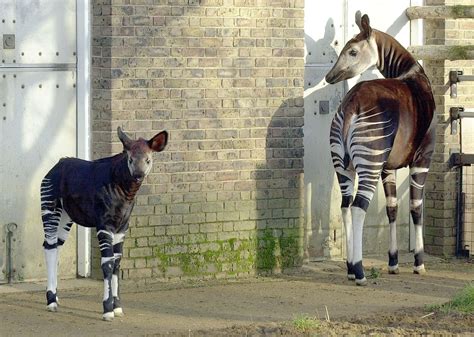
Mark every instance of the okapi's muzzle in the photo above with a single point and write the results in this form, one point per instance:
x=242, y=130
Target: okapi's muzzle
x=335, y=76
x=138, y=177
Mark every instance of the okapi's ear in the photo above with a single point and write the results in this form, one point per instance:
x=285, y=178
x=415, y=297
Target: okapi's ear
x=126, y=141
x=159, y=141
x=365, y=26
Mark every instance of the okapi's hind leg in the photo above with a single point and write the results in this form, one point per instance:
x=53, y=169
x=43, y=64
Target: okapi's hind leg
x=368, y=177
x=390, y=188
x=418, y=174
x=417, y=182
x=346, y=177
x=56, y=225
x=346, y=183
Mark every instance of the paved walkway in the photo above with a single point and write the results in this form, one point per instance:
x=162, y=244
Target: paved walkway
x=190, y=306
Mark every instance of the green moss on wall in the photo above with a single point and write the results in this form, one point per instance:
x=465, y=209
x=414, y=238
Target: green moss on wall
x=461, y=11
x=232, y=256
x=278, y=250
x=460, y=52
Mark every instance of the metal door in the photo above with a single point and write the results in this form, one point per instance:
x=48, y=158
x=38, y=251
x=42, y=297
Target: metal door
x=328, y=26
x=37, y=123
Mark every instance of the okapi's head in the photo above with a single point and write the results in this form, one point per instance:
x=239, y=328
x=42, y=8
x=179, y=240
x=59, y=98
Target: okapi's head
x=358, y=55
x=139, y=152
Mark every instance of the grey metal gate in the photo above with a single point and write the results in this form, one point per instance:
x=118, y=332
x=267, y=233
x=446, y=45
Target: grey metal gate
x=37, y=124
x=462, y=121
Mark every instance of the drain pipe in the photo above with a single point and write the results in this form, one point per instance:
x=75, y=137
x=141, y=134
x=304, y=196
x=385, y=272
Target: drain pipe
x=11, y=228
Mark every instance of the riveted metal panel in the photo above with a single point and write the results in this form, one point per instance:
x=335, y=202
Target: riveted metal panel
x=37, y=121
x=37, y=127
x=44, y=31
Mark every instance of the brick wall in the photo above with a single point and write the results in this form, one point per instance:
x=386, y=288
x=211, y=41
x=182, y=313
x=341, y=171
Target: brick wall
x=225, y=79
x=441, y=188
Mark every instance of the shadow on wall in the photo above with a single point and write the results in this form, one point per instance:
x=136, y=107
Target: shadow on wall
x=323, y=219
x=280, y=230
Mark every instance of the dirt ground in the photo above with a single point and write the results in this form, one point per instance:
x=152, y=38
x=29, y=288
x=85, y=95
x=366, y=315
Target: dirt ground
x=261, y=306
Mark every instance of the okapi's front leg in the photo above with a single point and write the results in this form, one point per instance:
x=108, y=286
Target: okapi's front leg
x=107, y=264
x=118, y=249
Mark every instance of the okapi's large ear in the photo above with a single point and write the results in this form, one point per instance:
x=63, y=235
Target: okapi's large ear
x=126, y=141
x=365, y=26
x=159, y=141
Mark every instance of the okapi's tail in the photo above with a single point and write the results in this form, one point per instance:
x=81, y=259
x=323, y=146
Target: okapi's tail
x=339, y=153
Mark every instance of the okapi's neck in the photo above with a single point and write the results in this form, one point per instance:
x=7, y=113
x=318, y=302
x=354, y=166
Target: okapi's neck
x=394, y=60
x=127, y=186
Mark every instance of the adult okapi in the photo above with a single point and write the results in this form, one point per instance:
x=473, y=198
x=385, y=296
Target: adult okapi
x=98, y=194
x=381, y=125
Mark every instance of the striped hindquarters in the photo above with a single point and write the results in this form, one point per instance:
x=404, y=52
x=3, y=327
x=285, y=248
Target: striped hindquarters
x=56, y=222
x=51, y=212
x=367, y=145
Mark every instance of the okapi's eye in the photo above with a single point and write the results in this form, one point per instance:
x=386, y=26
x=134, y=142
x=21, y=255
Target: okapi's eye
x=353, y=52
x=130, y=160
x=148, y=161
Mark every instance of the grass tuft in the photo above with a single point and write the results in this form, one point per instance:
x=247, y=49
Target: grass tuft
x=463, y=302
x=304, y=323
x=374, y=273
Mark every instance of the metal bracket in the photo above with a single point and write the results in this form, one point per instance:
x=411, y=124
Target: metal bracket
x=456, y=113
x=456, y=76
x=461, y=159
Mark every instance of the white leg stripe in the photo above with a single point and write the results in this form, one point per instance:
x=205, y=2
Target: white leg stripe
x=106, y=290
x=416, y=203
x=418, y=239
x=358, y=216
x=417, y=170
x=118, y=238
x=393, y=247
x=347, y=219
x=51, y=256
x=114, y=285
x=392, y=201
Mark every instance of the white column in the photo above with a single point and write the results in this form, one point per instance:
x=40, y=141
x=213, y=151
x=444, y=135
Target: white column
x=83, y=40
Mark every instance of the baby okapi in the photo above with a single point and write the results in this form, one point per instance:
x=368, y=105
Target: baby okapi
x=381, y=125
x=98, y=194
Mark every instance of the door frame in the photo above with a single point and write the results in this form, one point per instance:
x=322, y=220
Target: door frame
x=83, y=106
